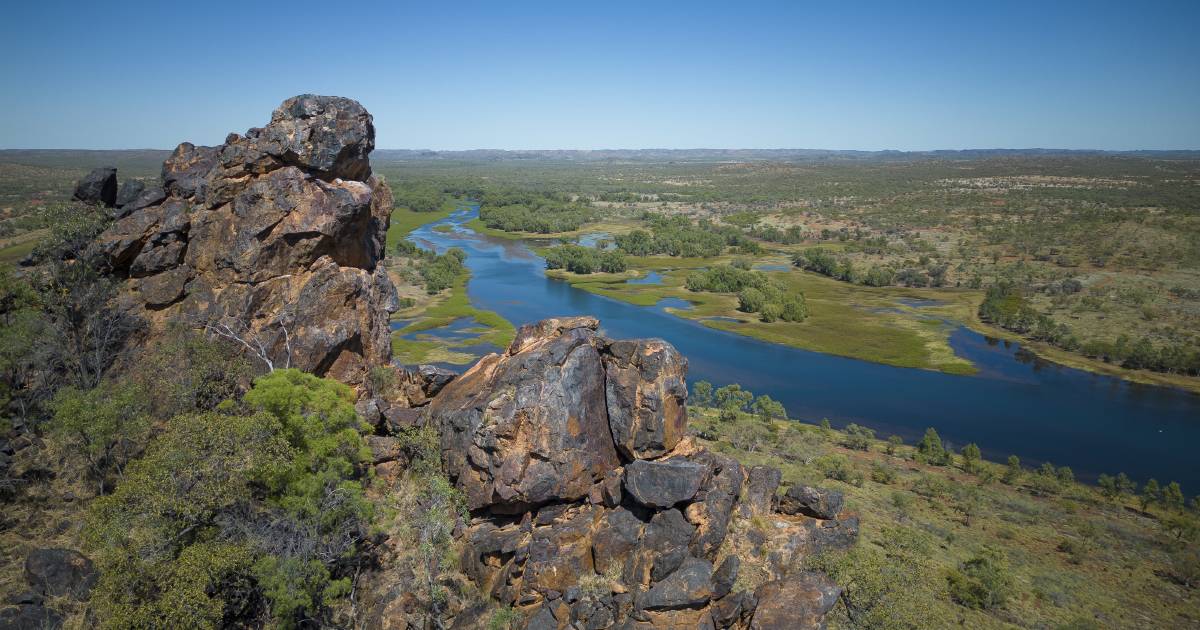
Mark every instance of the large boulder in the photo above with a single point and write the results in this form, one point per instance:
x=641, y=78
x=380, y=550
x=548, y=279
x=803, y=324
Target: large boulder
x=796, y=602
x=98, y=187
x=129, y=192
x=647, y=396
x=689, y=586
x=662, y=484
x=60, y=573
x=271, y=240
x=810, y=501
x=530, y=426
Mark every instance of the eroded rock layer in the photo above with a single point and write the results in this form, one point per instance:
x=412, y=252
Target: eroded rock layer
x=273, y=239
x=592, y=509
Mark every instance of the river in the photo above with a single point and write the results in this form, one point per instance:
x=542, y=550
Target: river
x=1015, y=404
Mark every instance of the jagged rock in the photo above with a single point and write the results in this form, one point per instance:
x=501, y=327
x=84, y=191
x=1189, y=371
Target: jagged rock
x=529, y=426
x=607, y=491
x=434, y=378
x=725, y=576
x=762, y=482
x=662, y=484
x=129, y=191
x=616, y=537
x=273, y=238
x=98, y=187
x=729, y=609
x=60, y=573
x=797, y=602
x=810, y=501
x=582, y=525
x=149, y=196
x=666, y=535
x=184, y=172
x=646, y=394
x=714, y=505
x=825, y=535
x=689, y=586
x=560, y=552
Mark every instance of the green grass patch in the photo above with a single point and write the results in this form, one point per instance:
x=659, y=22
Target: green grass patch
x=18, y=247
x=846, y=320
x=453, y=305
x=405, y=221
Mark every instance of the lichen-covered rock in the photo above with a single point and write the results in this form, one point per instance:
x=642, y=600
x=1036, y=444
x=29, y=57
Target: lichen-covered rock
x=711, y=511
x=272, y=238
x=60, y=573
x=647, y=394
x=530, y=426
x=758, y=499
x=810, y=501
x=129, y=191
x=98, y=187
x=797, y=602
x=662, y=484
x=689, y=586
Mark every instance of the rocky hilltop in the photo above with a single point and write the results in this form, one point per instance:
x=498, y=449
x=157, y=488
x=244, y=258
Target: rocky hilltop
x=588, y=506
x=591, y=508
x=271, y=239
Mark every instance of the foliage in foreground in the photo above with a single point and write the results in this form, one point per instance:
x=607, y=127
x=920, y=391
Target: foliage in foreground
x=251, y=511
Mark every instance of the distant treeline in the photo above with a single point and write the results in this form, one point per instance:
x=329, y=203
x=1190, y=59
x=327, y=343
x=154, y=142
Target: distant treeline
x=678, y=236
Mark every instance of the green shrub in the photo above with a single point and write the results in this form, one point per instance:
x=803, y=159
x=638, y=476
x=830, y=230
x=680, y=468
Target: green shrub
x=982, y=582
x=224, y=511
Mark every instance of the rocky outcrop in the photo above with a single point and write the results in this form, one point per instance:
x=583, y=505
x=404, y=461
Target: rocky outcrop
x=98, y=187
x=271, y=239
x=591, y=509
x=810, y=501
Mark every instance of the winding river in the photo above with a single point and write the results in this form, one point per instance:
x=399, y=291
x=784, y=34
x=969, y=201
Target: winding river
x=1015, y=404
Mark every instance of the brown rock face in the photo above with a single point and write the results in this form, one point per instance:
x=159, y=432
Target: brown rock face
x=646, y=393
x=531, y=426
x=273, y=238
x=590, y=507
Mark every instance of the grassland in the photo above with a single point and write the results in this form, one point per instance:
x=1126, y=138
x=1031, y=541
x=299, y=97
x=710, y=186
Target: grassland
x=1075, y=558
x=858, y=322
x=444, y=309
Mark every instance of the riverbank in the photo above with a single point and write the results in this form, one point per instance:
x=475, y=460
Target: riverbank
x=482, y=328
x=872, y=324
x=1070, y=555
x=404, y=221
x=855, y=321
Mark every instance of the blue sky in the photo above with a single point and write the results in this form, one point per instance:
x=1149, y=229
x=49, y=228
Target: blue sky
x=514, y=75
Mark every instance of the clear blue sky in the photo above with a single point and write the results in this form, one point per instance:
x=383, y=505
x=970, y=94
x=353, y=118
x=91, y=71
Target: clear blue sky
x=515, y=75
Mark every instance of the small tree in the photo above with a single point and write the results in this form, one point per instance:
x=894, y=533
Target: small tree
x=702, y=393
x=767, y=409
x=930, y=449
x=1150, y=494
x=1012, y=471
x=1172, y=496
x=971, y=457
x=982, y=582
x=858, y=437
x=893, y=442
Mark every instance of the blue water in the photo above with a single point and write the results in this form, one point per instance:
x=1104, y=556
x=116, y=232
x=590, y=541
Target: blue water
x=1014, y=405
x=651, y=277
